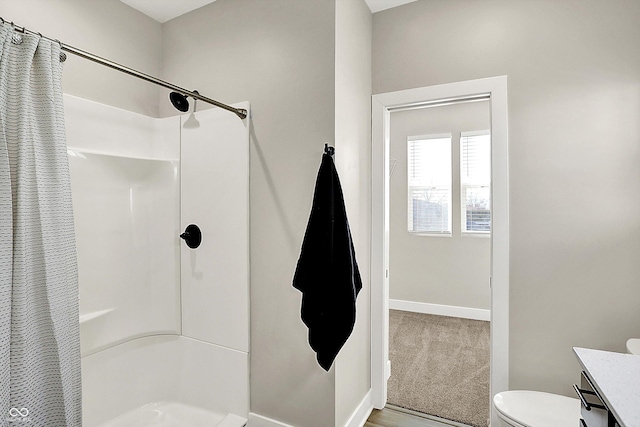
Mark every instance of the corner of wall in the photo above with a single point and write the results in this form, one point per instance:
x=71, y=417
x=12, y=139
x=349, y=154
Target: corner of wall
x=353, y=158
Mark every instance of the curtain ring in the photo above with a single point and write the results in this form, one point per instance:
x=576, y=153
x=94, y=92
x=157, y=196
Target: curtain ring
x=16, y=38
x=63, y=56
x=17, y=28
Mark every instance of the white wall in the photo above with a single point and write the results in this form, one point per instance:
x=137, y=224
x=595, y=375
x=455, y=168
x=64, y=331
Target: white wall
x=353, y=161
x=214, y=194
x=126, y=201
x=574, y=108
x=452, y=270
x=107, y=28
x=279, y=55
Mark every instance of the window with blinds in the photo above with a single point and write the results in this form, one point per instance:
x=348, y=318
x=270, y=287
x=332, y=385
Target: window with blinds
x=429, y=184
x=475, y=181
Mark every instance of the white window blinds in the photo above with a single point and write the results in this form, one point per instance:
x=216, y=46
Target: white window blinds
x=429, y=184
x=475, y=181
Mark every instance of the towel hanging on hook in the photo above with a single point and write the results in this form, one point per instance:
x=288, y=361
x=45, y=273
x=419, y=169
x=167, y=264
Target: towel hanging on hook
x=327, y=273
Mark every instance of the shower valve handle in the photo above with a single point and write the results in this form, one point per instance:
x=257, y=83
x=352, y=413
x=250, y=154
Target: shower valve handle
x=192, y=236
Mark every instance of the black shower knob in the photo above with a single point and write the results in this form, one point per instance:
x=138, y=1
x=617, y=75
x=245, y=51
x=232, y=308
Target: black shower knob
x=192, y=236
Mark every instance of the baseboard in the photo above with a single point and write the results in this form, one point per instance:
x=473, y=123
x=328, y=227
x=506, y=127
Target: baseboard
x=362, y=412
x=256, y=420
x=357, y=419
x=440, y=310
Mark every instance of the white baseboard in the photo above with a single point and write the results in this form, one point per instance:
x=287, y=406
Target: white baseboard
x=362, y=412
x=357, y=419
x=256, y=420
x=440, y=310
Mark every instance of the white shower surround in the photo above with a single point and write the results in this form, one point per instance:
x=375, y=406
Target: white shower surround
x=166, y=331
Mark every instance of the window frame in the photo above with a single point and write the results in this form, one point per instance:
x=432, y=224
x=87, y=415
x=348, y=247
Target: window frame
x=463, y=217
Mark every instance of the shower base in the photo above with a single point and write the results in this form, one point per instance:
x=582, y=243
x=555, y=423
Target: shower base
x=174, y=414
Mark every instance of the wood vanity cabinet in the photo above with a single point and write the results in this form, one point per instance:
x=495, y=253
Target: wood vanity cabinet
x=593, y=410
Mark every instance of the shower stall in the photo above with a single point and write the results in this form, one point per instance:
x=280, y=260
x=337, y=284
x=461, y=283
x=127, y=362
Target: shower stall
x=164, y=327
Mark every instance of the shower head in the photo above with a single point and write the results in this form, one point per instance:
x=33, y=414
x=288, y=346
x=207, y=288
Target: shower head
x=179, y=101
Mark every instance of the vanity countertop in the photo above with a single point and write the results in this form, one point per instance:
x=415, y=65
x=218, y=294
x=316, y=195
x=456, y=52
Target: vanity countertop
x=616, y=377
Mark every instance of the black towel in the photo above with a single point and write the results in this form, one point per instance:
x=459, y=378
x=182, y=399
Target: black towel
x=327, y=273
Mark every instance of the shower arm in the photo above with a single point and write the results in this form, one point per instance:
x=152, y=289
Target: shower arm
x=240, y=112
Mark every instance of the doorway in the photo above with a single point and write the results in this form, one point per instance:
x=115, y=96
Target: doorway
x=494, y=90
x=439, y=256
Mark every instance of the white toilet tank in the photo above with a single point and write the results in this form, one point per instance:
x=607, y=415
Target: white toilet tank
x=524, y=408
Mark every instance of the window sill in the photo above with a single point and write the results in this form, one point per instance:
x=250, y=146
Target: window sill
x=477, y=234
x=426, y=234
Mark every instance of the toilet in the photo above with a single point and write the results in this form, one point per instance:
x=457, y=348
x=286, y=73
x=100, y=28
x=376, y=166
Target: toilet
x=633, y=346
x=525, y=408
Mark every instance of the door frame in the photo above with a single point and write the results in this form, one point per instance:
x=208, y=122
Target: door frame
x=495, y=88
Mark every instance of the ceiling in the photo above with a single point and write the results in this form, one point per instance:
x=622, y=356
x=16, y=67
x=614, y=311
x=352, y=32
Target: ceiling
x=165, y=10
x=378, y=5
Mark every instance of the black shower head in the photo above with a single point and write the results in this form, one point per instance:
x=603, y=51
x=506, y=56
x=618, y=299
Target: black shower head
x=179, y=101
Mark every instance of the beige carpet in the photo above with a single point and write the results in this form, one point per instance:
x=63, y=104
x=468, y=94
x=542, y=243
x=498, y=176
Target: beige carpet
x=440, y=366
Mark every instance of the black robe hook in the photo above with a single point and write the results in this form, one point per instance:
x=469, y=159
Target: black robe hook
x=192, y=236
x=329, y=149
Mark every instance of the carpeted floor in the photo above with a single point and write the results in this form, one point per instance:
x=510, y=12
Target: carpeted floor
x=440, y=366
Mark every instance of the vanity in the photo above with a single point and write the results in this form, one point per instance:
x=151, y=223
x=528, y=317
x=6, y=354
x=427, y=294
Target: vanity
x=609, y=390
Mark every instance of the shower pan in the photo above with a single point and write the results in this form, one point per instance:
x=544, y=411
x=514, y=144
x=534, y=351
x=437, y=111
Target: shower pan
x=164, y=326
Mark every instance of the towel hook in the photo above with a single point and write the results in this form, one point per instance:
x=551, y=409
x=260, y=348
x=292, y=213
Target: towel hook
x=192, y=236
x=329, y=149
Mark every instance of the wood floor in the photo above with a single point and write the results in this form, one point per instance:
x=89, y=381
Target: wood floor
x=389, y=417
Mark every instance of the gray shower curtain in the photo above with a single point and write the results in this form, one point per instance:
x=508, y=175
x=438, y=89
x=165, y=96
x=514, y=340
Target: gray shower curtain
x=39, y=332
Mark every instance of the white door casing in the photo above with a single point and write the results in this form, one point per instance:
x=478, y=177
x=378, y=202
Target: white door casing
x=495, y=88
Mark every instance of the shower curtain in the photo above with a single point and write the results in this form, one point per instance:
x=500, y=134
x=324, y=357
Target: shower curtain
x=39, y=330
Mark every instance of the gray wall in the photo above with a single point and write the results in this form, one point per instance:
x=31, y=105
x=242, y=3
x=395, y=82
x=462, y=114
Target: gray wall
x=279, y=55
x=435, y=269
x=574, y=108
x=107, y=28
x=353, y=161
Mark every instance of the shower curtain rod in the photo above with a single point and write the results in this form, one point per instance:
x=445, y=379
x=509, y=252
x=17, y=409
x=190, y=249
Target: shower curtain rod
x=240, y=112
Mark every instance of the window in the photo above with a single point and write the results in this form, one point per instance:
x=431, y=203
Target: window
x=475, y=181
x=429, y=184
